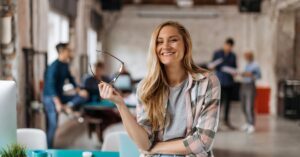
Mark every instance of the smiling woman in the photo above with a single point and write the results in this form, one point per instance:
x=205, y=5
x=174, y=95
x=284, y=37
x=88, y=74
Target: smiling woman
x=178, y=109
x=170, y=48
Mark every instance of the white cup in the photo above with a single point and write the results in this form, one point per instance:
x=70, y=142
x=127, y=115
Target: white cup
x=87, y=154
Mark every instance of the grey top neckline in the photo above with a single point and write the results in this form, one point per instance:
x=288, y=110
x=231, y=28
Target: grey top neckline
x=180, y=85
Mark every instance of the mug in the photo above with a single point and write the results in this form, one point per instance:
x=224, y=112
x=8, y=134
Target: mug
x=41, y=153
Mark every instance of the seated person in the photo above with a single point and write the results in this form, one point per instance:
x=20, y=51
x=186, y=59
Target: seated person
x=90, y=83
x=54, y=99
x=108, y=116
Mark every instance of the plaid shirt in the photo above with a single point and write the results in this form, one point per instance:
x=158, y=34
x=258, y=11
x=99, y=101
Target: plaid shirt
x=202, y=98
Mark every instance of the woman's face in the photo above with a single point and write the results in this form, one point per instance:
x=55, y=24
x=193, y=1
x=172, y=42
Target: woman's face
x=169, y=46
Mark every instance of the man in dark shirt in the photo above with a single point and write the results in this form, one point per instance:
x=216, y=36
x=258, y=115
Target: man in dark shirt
x=225, y=65
x=53, y=97
x=90, y=83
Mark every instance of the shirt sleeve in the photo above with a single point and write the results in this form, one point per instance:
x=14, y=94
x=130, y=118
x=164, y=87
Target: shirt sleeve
x=200, y=141
x=256, y=72
x=234, y=61
x=215, y=57
x=51, y=75
x=143, y=120
x=71, y=78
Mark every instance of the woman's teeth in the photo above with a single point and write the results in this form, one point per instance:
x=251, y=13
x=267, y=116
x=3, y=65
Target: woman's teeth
x=167, y=53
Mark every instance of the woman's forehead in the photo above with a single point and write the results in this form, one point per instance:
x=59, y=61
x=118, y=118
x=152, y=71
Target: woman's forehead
x=168, y=31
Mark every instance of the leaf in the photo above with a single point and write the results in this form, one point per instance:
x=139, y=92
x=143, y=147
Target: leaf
x=14, y=150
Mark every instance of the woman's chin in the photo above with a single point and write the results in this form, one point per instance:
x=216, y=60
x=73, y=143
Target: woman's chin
x=168, y=63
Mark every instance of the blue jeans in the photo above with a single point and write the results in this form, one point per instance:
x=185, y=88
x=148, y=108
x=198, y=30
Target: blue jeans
x=52, y=115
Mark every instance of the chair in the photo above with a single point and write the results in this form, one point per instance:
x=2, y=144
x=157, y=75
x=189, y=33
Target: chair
x=32, y=138
x=117, y=127
x=127, y=147
x=111, y=141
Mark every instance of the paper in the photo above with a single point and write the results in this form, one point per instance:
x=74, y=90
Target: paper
x=215, y=63
x=229, y=70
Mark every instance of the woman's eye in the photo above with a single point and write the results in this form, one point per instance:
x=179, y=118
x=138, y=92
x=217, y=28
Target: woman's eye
x=159, y=42
x=174, y=40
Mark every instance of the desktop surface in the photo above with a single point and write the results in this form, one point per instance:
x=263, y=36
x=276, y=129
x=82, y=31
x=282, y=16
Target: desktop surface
x=74, y=153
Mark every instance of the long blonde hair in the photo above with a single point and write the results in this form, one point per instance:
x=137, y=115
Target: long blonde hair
x=154, y=88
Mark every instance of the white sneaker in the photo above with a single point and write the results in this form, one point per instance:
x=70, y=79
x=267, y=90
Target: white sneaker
x=250, y=129
x=244, y=127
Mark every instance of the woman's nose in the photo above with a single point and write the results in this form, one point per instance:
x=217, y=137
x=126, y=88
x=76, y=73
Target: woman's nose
x=166, y=45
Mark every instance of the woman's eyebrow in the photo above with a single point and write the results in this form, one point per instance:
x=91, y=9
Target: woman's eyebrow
x=172, y=36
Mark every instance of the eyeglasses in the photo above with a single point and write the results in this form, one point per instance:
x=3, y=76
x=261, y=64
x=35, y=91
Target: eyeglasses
x=119, y=72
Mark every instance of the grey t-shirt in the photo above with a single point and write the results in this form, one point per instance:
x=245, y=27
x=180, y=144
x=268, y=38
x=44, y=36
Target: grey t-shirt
x=176, y=113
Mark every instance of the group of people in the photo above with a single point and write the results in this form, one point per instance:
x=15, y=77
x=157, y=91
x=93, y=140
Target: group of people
x=178, y=103
x=55, y=100
x=224, y=63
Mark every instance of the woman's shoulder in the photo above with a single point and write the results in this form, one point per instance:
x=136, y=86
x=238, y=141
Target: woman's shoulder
x=205, y=75
x=209, y=77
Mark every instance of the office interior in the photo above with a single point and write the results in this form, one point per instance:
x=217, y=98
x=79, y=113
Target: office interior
x=31, y=29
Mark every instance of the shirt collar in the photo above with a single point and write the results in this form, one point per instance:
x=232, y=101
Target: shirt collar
x=194, y=77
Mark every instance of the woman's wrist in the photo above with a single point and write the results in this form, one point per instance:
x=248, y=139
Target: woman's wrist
x=120, y=105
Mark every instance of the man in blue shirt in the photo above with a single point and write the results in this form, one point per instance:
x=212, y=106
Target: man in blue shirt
x=225, y=64
x=53, y=96
x=248, y=91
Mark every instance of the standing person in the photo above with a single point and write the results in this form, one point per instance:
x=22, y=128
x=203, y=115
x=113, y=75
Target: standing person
x=226, y=60
x=178, y=109
x=250, y=75
x=53, y=98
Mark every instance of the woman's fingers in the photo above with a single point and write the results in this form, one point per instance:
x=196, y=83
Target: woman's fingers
x=105, y=90
x=109, y=93
x=101, y=87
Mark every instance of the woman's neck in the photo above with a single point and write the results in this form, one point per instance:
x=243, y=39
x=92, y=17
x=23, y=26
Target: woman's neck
x=175, y=75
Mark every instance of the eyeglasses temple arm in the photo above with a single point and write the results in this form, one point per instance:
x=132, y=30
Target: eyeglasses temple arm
x=111, y=56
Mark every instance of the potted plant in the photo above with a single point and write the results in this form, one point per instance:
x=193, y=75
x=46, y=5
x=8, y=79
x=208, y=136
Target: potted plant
x=14, y=150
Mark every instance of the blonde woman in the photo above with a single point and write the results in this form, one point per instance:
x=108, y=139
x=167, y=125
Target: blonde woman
x=178, y=109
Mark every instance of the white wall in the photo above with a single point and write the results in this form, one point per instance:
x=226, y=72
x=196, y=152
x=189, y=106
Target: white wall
x=130, y=36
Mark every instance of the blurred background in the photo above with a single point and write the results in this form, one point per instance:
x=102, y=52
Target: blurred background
x=30, y=30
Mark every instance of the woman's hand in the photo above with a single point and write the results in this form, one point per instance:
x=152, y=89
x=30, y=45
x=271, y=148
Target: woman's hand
x=109, y=93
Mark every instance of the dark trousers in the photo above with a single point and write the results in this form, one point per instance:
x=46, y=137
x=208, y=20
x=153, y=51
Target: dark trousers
x=225, y=101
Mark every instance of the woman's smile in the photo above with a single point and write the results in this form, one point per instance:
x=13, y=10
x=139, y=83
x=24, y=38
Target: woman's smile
x=167, y=53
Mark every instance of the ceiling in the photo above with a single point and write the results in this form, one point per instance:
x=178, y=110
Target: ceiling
x=173, y=2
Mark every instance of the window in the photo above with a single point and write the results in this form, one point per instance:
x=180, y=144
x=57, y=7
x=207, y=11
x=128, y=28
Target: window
x=58, y=26
x=92, y=45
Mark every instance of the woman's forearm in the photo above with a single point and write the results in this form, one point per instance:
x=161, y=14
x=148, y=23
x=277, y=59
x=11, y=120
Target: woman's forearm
x=170, y=147
x=135, y=131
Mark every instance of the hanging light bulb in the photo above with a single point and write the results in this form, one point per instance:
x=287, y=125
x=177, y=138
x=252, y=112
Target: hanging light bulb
x=6, y=30
x=220, y=1
x=185, y=3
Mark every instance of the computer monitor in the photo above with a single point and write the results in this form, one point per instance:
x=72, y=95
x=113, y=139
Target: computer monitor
x=123, y=83
x=8, y=113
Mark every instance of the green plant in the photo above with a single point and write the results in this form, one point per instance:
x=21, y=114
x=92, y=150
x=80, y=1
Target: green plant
x=14, y=150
